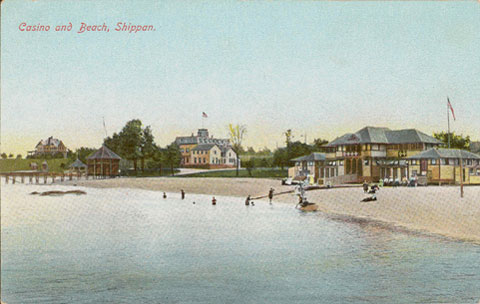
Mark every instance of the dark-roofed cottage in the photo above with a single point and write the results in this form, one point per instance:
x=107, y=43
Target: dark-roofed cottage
x=104, y=162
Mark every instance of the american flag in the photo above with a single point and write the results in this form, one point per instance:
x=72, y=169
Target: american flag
x=204, y=115
x=451, y=108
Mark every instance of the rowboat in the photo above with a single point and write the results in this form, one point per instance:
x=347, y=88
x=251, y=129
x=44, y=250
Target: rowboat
x=307, y=206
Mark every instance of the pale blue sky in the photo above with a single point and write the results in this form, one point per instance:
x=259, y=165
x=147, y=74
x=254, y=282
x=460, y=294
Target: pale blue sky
x=324, y=68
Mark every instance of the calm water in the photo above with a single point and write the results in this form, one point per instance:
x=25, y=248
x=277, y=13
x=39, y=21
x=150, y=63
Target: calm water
x=132, y=246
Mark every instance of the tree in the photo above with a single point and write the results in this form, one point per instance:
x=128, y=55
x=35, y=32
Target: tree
x=147, y=146
x=128, y=142
x=172, y=156
x=4, y=155
x=10, y=155
x=456, y=141
x=249, y=165
x=280, y=157
x=318, y=144
x=19, y=156
x=82, y=153
x=237, y=133
x=250, y=150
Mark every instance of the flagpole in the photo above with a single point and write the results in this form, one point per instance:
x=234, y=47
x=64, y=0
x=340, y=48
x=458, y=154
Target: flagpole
x=448, y=119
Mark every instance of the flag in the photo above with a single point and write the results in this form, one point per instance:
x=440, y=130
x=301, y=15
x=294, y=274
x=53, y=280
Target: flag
x=451, y=108
x=204, y=115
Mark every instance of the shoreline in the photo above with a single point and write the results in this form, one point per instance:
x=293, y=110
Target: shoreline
x=426, y=210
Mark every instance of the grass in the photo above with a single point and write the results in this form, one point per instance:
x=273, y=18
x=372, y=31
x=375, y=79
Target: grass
x=256, y=173
x=54, y=165
x=148, y=173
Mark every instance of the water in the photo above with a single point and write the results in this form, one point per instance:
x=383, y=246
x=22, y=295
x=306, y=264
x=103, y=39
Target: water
x=132, y=246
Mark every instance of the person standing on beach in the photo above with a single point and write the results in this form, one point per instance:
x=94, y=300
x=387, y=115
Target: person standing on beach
x=270, y=194
x=247, y=201
x=365, y=186
x=164, y=195
x=214, y=201
x=183, y=194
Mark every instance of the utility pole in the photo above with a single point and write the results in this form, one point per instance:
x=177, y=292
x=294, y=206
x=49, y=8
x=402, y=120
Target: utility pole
x=461, y=175
x=448, y=119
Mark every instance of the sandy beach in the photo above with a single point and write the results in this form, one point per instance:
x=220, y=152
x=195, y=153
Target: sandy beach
x=432, y=210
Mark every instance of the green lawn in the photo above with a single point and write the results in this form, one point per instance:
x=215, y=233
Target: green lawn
x=9, y=165
x=258, y=173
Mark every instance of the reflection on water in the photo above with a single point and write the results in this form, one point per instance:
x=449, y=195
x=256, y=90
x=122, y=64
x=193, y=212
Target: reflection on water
x=133, y=246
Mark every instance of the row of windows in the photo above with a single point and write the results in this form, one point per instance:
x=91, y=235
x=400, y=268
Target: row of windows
x=448, y=161
x=199, y=160
x=376, y=147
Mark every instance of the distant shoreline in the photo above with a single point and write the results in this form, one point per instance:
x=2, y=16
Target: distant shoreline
x=430, y=210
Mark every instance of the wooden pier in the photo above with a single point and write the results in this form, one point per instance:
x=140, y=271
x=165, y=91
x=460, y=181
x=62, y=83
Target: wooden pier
x=41, y=177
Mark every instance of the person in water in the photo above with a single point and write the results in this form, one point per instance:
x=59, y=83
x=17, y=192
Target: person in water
x=214, y=201
x=183, y=194
x=164, y=195
x=270, y=194
x=247, y=201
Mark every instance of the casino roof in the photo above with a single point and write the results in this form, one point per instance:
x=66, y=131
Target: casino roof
x=445, y=153
x=375, y=135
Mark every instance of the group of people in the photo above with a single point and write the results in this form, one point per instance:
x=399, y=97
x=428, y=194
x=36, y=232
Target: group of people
x=370, y=190
x=248, y=201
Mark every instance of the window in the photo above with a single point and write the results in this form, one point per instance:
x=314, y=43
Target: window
x=310, y=163
x=194, y=160
x=204, y=160
x=434, y=161
x=447, y=161
x=366, y=162
x=414, y=161
x=442, y=161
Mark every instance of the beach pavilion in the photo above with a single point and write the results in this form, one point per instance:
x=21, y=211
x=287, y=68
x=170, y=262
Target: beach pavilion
x=78, y=166
x=104, y=162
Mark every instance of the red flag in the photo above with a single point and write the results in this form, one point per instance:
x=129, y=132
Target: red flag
x=204, y=115
x=451, y=109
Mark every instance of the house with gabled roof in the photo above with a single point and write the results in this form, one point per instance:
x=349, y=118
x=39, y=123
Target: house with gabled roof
x=205, y=151
x=49, y=146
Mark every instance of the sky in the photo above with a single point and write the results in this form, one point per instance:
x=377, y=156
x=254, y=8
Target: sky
x=320, y=68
